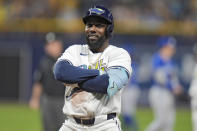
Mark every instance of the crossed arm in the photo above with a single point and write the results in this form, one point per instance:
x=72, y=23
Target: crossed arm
x=91, y=80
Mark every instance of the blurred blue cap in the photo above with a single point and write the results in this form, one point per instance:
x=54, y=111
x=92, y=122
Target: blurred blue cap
x=166, y=40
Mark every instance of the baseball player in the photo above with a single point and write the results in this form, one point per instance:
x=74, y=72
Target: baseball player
x=193, y=93
x=165, y=85
x=94, y=75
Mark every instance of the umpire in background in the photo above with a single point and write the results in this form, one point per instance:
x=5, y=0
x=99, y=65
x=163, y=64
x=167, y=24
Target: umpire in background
x=47, y=93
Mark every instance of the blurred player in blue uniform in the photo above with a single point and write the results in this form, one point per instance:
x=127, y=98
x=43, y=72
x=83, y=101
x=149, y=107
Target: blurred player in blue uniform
x=165, y=86
x=131, y=94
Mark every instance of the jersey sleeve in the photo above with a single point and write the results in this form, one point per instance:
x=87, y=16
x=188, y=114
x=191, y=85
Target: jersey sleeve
x=120, y=58
x=70, y=55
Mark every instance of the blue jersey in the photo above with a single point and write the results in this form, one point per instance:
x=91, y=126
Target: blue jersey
x=163, y=72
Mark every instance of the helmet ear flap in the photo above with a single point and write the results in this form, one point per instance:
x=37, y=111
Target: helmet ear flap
x=109, y=30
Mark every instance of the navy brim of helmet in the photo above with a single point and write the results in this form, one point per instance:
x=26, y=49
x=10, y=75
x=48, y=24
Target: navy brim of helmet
x=85, y=19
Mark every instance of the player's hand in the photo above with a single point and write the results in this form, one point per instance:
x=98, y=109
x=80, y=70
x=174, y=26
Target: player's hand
x=34, y=104
x=101, y=72
x=178, y=90
x=66, y=84
x=76, y=85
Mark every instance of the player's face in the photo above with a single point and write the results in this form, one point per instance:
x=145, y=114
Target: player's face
x=169, y=51
x=95, y=33
x=54, y=48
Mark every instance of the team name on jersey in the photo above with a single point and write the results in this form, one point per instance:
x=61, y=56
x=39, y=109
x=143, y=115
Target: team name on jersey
x=98, y=66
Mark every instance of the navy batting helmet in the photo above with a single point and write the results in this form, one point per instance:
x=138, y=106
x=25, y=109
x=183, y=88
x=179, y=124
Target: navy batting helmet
x=102, y=12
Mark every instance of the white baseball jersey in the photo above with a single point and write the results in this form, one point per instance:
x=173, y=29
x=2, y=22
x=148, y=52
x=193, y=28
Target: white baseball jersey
x=88, y=104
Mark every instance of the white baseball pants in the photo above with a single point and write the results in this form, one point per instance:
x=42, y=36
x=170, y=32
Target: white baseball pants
x=163, y=105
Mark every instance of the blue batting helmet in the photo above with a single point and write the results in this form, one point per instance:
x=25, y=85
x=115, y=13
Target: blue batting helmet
x=102, y=12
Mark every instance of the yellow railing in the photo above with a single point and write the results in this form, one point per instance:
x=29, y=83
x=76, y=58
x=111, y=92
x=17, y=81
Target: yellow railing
x=41, y=25
x=76, y=26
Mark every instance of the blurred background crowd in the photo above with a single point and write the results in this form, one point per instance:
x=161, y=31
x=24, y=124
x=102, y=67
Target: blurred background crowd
x=158, y=10
x=138, y=14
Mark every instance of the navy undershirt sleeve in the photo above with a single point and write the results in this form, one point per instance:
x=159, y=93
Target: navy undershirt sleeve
x=65, y=72
x=99, y=84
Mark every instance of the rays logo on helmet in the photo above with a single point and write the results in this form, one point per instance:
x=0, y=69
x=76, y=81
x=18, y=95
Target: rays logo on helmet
x=96, y=11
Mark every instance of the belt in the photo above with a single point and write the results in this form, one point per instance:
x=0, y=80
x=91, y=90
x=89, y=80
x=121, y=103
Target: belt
x=92, y=120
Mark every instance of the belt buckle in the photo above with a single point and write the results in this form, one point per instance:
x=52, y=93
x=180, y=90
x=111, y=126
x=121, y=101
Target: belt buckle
x=85, y=121
x=89, y=120
x=92, y=123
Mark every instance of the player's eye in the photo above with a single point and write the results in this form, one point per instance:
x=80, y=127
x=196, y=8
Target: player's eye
x=97, y=25
x=89, y=25
x=100, y=25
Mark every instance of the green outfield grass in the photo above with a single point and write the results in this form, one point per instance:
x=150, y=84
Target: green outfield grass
x=183, y=119
x=17, y=117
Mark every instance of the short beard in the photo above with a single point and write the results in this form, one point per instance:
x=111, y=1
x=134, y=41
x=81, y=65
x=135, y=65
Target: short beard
x=96, y=45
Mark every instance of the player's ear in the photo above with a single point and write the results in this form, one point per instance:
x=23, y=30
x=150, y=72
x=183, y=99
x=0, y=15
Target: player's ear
x=109, y=31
